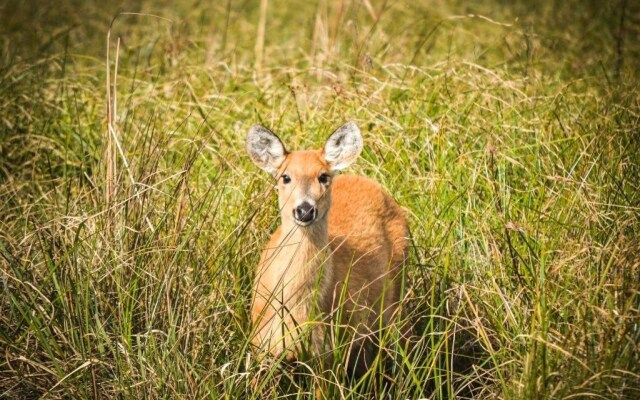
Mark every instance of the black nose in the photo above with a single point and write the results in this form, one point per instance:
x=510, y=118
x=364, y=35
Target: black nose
x=305, y=212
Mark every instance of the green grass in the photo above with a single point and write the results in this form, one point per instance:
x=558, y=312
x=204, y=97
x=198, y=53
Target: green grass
x=509, y=132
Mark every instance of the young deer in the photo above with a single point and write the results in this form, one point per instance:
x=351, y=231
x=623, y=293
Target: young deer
x=339, y=250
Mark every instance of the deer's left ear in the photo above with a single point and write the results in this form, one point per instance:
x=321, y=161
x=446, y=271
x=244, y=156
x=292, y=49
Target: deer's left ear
x=343, y=146
x=265, y=149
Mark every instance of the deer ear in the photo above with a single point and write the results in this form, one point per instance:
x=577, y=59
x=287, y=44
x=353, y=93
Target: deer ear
x=265, y=149
x=343, y=146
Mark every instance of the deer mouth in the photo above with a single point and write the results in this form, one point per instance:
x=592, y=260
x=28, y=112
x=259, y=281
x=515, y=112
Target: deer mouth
x=302, y=223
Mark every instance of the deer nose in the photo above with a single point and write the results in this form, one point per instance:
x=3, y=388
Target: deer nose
x=305, y=212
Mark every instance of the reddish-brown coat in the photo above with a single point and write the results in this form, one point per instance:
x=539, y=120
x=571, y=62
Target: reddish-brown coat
x=359, y=238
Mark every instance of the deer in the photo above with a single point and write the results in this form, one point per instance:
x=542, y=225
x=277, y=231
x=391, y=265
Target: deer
x=337, y=257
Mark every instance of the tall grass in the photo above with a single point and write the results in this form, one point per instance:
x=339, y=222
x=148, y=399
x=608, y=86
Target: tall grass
x=509, y=133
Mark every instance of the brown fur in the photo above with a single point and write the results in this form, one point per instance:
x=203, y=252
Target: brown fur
x=359, y=238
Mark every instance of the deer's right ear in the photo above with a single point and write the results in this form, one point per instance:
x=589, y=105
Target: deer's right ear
x=265, y=149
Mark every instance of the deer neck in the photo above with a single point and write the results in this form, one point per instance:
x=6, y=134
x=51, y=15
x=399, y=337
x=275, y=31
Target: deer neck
x=308, y=254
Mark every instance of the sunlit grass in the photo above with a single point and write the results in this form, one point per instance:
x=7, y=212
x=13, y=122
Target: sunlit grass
x=508, y=135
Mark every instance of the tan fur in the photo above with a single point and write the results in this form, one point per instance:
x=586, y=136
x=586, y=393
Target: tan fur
x=359, y=238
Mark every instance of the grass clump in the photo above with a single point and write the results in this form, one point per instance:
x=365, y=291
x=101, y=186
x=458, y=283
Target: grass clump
x=128, y=239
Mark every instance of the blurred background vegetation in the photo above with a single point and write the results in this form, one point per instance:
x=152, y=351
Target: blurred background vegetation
x=508, y=130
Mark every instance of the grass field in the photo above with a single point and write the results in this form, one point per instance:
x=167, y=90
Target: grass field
x=131, y=218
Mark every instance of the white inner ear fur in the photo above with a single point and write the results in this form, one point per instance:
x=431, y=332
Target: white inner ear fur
x=265, y=149
x=343, y=146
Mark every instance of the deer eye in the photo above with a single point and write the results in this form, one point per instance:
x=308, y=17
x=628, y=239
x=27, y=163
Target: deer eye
x=323, y=178
x=286, y=178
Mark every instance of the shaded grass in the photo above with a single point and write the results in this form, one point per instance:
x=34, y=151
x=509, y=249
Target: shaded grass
x=509, y=142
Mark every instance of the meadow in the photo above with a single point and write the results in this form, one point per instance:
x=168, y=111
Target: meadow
x=131, y=218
